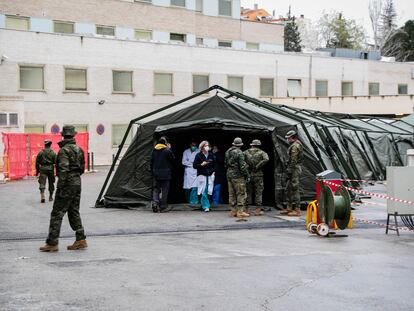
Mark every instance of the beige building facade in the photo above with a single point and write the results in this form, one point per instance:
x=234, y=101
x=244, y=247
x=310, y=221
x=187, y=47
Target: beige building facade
x=53, y=72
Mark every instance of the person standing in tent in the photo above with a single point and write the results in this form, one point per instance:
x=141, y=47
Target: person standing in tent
x=45, y=169
x=70, y=165
x=190, y=174
x=162, y=160
x=204, y=162
x=237, y=175
x=293, y=172
x=219, y=176
x=256, y=159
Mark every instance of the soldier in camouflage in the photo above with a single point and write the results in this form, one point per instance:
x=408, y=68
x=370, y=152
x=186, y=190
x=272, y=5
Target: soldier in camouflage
x=45, y=169
x=256, y=159
x=293, y=172
x=70, y=165
x=237, y=174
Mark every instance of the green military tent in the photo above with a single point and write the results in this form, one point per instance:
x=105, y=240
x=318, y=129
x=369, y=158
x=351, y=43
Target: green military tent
x=358, y=148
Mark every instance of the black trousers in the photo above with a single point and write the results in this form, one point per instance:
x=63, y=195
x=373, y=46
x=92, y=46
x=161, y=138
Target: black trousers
x=160, y=192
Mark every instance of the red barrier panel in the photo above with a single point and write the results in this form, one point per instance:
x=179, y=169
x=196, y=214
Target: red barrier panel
x=22, y=150
x=15, y=149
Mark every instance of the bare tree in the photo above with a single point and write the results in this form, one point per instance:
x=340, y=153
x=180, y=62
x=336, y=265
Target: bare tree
x=375, y=10
x=387, y=20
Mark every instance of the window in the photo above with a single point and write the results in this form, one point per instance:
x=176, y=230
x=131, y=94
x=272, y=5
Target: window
x=235, y=84
x=252, y=46
x=199, y=41
x=402, y=89
x=347, y=89
x=224, y=44
x=9, y=119
x=105, y=30
x=118, y=133
x=373, y=88
x=75, y=79
x=141, y=34
x=200, y=83
x=321, y=88
x=149, y=1
x=3, y=119
x=225, y=7
x=81, y=128
x=17, y=22
x=177, y=37
x=199, y=6
x=266, y=87
x=294, y=88
x=34, y=128
x=178, y=3
x=163, y=83
x=31, y=78
x=63, y=27
x=122, y=81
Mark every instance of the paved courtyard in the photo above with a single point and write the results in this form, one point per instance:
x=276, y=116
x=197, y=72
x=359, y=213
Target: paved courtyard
x=189, y=260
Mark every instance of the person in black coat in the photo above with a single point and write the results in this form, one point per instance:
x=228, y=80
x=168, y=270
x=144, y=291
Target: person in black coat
x=204, y=162
x=220, y=179
x=162, y=160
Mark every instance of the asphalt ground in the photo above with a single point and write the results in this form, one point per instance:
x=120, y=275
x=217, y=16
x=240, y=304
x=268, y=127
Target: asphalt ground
x=190, y=260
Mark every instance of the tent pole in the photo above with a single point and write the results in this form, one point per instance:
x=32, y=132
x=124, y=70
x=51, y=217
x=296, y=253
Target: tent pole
x=315, y=147
x=371, y=145
x=98, y=200
x=367, y=159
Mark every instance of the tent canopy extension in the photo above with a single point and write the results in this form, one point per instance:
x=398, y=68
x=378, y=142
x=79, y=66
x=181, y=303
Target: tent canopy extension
x=358, y=149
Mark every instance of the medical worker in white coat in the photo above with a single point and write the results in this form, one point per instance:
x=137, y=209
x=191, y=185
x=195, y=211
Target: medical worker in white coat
x=190, y=174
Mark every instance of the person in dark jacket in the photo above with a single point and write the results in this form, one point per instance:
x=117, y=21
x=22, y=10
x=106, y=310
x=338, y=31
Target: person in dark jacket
x=220, y=176
x=45, y=169
x=162, y=160
x=205, y=164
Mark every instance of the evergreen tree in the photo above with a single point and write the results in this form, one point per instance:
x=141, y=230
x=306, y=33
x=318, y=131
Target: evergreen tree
x=400, y=43
x=292, y=35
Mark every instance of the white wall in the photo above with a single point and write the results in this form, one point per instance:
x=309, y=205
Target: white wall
x=101, y=55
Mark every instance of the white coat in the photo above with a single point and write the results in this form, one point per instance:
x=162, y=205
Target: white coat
x=203, y=182
x=190, y=173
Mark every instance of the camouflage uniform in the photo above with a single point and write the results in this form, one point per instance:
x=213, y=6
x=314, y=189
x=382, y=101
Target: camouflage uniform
x=45, y=166
x=256, y=160
x=237, y=173
x=70, y=165
x=293, y=172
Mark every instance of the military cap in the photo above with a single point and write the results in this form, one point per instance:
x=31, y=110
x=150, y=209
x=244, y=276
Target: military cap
x=291, y=133
x=47, y=142
x=256, y=142
x=237, y=142
x=68, y=130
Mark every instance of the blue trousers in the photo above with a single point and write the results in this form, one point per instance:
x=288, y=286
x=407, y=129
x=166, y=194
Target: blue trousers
x=205, y=201
x=191, y=195
x=216, y=194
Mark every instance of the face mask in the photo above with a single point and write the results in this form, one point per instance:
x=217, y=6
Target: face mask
x=215, y=150
x=207, y=148
x=193, y=148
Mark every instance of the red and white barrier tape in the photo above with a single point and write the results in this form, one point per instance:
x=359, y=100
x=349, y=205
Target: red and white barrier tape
x=381, y=196
x=370, y=222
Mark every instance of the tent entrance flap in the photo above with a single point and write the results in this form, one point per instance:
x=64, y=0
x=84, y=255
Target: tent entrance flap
x=221, y=136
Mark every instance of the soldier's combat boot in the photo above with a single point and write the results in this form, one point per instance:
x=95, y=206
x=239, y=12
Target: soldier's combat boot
x=42, y=197
x=49, y=248
x=50, y=196
x=286, y=210
x=81, y=244
x=295, y=213
x=242, y=215
x=233, y=213
x=246, y=210
x=259, y=211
